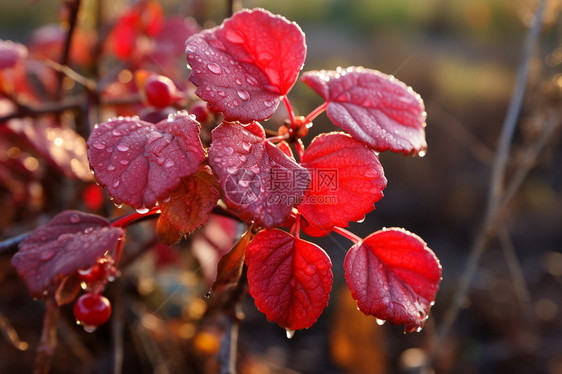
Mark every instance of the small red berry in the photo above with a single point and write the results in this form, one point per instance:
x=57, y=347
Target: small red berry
x=160, y=91
x=92, y=310
x=96, y=273
x=200, y=111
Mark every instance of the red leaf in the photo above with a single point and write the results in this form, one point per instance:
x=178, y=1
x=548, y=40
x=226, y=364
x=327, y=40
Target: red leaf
x=62, y=148
x=289, y=278
x=245, y=65
x=230, y=266
x=373, y=107
x=189, y=205
x=258, y=179
x=140, y=162
x=71, y=241
x=394, y=276
x=347, y=179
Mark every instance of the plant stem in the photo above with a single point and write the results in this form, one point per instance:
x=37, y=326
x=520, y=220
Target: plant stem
x=73, y=7
x=348, y=235
x=127, y=220
x=48, y=341
x=315, y=113
x=291, y=113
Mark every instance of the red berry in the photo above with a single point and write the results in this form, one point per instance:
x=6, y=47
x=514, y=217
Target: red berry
x=160, y=91
x=200, y=111
x=92, y=310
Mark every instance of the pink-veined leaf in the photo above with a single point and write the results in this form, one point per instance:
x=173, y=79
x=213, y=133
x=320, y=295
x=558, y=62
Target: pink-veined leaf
x=258, y=179
x=72, y=240
x=373, y=107
x=244, y=66
x=347, y=179
x=289, y=278
x=141, y=163
x=394, y=276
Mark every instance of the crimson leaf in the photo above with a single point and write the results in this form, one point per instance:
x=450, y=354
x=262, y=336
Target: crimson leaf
x=189, y=206
x=394, y=276
x=70, y=241
x=373, y=107
x=258, y=179
x=245, y=65
x=347, y=179
x=140, y=162
x=289, y=278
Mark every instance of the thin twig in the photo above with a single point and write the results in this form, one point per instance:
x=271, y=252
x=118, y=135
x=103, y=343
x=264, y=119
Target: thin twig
x=118, y=328
x=11, y=334
x=496, y=189
x=73, y=6
x=519, y=284
x=48, y=341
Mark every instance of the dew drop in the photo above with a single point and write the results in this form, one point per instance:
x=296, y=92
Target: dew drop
x=123, y=147
x=252, y=81
x=265, y=58
x=169, y=163
x=290, y=333
x=244, y=95
x=191, y=48
x=111, y=168
x=142, y=210
x=242, y=158
x=255, y=169
x=167, y=199
x=124, y=162
x=47, y=255
x=116, y=183
x=268, y=103
x=234, y=37
x=75, y=218
x=116, y=132
x=344, y=98
x=214, y=68
x=208, y=295
x=228, y=150
x=238, y=81
x=235, y=103
x=380, y=322
x=98, y=145
x=361, y=220
x=89, y=328
x=231, y=169
x=244, y=183
x=247, y=146
x=221, y=93
x=421, y=153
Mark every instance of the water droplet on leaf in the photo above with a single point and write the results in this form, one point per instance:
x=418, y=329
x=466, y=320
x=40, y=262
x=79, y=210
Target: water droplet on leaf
x=142, y=210
x=234, y=37
x=290, y=333
x=214, y=68
x=244, y=95
x=123, y=147
x=75, y=218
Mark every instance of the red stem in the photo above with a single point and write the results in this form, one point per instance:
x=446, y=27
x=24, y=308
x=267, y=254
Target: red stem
x=127, y=220
x=291, y=113
x=347, y=234
x=315, y=113
x=299, y=148
x=297, y=226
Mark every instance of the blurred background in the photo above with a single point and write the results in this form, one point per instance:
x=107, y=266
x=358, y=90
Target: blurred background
x=461, y=57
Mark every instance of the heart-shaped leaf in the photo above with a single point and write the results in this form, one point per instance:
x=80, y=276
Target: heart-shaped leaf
x=244, y=66
x=394, y=276
x=373, y=107
x=70, y=241
x=289, y=278
x=258, y=179
x=189, y=205
x=347, y=179
x=140, y=162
